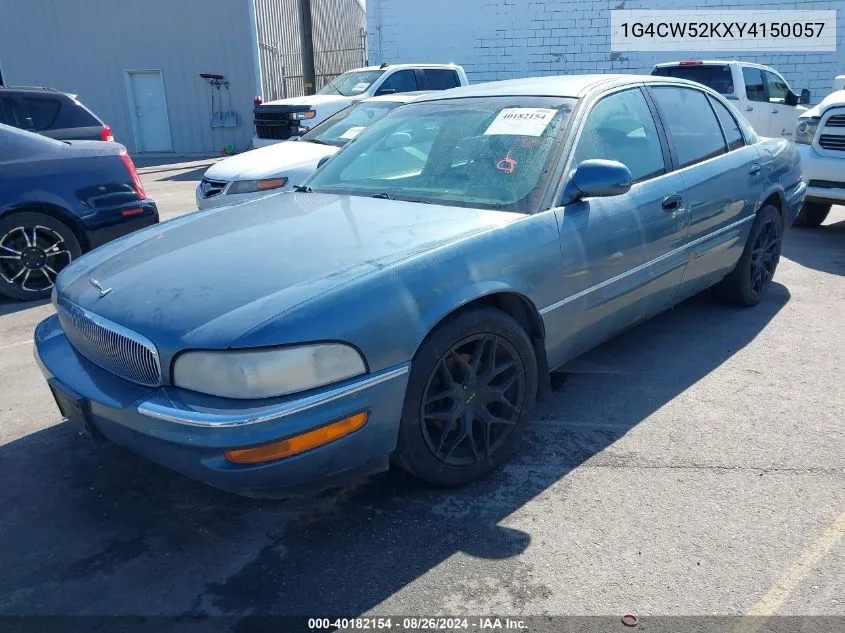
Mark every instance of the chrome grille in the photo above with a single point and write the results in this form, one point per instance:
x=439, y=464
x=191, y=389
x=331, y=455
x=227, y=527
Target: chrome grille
x=832, y=141
x=837, y=120
x=210, y=188
x=109, y=345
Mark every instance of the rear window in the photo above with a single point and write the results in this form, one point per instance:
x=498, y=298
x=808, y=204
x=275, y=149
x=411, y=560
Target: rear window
x=18, y=144
x=441, y=79
x=76, y=114
x=39, y=112
x=716, y=77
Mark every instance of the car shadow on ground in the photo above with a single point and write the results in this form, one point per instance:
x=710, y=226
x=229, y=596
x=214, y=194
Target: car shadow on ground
x=821, y=249
x=192, y=175
x=10, y=306
x=96, y=530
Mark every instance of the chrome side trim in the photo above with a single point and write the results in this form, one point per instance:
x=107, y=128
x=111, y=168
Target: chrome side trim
x=641, y=267
x=199, y=418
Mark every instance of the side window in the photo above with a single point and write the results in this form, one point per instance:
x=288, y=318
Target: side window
x=754, y=89
x=620, y=127
x=729, y=125
x=691, y=124
x=441, y=79
x=777, y=88
x=40, y=112
x=401, y=81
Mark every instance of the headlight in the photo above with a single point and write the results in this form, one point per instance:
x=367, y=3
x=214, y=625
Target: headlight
x=251, y=186
x=266, y=373
x=805, y=131
x=299, y=116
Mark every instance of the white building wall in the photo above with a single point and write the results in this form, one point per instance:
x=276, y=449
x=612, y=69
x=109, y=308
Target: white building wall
x=85, y=46
x=503, y=39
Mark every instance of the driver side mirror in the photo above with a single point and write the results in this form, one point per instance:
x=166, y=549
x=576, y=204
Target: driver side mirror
x=323, y=161
x=597, y=178
x=385, y=91
x=804, y=99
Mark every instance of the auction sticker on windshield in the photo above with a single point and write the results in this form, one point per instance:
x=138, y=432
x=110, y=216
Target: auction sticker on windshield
x=353, y=132
x=521, y=121
x=361, y=87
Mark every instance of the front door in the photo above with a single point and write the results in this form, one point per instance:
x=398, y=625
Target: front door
x=621, y=257
x=148, y=109
x=783, y=115
x=757, y=108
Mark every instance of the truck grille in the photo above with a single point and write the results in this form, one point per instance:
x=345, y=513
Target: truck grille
x=832, y=141
x=109, y=345
x=211, y=188
x=273, y=131
x=837, y=120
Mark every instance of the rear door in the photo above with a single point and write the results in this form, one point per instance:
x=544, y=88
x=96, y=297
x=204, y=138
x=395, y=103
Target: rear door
x=722, y=180
x=783, y=115
x=620, y=257
x=757, y=109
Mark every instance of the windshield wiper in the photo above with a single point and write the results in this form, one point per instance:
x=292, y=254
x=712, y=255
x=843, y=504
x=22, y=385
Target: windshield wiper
x=317, y=141
x=384, y=196
x=303, y=189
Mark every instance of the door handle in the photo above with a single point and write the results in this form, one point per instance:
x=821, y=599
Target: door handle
x=749, y=109
x=754, y=169
x=775, y=110
x=672, y=203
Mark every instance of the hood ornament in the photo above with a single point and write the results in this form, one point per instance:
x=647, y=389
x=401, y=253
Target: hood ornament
x=99, y=287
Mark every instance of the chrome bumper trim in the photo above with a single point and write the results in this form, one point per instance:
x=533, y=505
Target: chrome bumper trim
x=199, y=418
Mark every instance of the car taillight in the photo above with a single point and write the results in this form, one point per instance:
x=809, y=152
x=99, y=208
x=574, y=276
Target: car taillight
x=106, y=134
x=133, y=173
x=690, y=62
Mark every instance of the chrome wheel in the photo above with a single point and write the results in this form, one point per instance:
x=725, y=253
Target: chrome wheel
x=32, y=256
x=764, y=256
x=472, y=400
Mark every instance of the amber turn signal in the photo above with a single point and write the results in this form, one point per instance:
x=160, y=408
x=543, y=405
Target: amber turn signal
x=271, y=183
x=298, y=444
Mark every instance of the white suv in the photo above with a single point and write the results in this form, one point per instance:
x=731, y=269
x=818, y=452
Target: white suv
x=288, y=119
x=820, y=137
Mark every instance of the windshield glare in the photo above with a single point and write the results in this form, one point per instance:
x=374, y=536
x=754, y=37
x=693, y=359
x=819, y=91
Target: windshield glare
x=490, y=152
x=352, y=83
x=348, y=124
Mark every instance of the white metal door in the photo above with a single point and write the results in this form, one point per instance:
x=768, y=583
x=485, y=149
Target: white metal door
x=148, y=108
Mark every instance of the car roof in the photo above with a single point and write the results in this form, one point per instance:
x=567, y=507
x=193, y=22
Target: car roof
x=575, y=86
x=400, y=66
x=400, y=97
x=40, y=89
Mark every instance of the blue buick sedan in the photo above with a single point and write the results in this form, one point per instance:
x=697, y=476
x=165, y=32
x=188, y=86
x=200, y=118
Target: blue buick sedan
x=406, y=304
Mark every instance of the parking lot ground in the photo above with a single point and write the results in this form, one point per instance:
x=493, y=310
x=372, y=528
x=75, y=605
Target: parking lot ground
x=693, y=465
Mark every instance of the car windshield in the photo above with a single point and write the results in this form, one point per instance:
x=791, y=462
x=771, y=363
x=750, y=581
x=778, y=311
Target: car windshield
x=716, y=77
x=352, y=83
x=347, y=124
x=491, y=152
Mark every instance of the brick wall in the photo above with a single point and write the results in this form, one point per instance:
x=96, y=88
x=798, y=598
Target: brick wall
x=502, y=39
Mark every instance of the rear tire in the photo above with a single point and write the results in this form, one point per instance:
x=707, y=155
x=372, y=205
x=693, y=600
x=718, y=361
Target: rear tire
x=470, y=395
x=812, y=214
x=34, y=247
x=750, y=279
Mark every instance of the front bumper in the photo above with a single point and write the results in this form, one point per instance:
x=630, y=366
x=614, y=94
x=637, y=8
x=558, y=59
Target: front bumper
x=189, y=432
x=223, y=198
x=825, y=176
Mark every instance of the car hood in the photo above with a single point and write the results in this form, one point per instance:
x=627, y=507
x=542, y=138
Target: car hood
x=205, y=279
x=834, y=99
x=271, y=161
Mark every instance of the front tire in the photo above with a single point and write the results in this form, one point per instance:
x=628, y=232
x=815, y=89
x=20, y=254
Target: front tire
x=34, y=247
x=812, y=214
x=750, y=279
x=470, y=395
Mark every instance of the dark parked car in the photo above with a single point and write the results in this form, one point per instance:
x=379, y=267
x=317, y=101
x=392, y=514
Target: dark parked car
x=59, y=199
x=52, y=113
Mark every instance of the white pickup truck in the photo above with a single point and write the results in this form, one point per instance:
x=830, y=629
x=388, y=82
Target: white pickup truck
x=820, y=138
x=763, y=96
x=288, y=119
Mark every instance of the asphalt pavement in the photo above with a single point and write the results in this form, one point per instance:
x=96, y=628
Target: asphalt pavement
x=693, y=465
